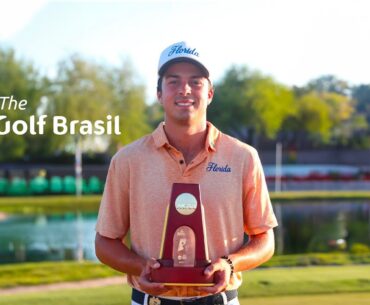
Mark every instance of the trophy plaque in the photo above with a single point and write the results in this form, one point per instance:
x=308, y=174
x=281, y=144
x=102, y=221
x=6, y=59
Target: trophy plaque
x=184, y=251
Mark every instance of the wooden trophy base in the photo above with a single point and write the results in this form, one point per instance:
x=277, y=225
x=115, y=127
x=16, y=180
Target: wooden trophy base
x=181, y=276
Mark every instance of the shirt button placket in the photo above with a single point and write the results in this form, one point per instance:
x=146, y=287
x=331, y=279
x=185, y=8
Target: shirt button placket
x=182, y=166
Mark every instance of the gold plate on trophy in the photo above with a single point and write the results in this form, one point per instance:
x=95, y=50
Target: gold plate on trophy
x=186, y=204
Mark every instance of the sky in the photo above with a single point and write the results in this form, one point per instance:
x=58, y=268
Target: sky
x=292, y=41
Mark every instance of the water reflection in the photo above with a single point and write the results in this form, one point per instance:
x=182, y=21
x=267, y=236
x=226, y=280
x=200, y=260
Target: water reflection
x=322, y=226
x=47, y=237
x=304, y=227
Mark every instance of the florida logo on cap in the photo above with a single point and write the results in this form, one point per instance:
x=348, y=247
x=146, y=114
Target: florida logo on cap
x=181, y=52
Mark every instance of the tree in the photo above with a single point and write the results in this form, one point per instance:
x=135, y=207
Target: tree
x=328, y=83
x=311, y=122
x=155, y=114
x=85, y=90
x=361, y=96
x=22, y=81
x=339, y=112
x=79, y=92
x=248, y=104
x=129, y=102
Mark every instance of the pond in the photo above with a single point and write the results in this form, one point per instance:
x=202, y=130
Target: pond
x=41, y=237
x=321, y=226
x=304, y=227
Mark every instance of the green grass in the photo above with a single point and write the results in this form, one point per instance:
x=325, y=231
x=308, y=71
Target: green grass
x=319, y=195
x=326, y=299
x=306, y=280
x=120, y=295
x=111, y=295
x=51, y=272
x=274, y=286
x=89, y=203
x=258, y=282
x=317, y=259
x=25, y=274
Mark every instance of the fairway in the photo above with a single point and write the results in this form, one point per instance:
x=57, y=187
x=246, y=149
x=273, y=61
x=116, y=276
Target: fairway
x=111, y=295
x=308, y=280
x=325, y=299
x=120, y=295
x=271, y=286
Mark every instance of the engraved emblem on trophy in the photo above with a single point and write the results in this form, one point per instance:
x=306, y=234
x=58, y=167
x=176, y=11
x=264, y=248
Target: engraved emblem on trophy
x=184, y=251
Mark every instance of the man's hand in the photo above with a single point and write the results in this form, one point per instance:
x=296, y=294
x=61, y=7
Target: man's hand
x=144, y=280
x=222, y=272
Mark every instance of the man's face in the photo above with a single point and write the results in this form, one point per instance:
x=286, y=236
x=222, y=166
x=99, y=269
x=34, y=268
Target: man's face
x=185, y=94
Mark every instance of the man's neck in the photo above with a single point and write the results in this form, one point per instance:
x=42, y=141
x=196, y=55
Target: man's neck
x=188, y=139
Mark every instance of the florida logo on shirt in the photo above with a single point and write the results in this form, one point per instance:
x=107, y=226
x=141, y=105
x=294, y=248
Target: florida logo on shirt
x=214, y=167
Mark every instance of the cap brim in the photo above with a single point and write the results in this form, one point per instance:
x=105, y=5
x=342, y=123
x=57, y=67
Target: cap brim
x=164, y=68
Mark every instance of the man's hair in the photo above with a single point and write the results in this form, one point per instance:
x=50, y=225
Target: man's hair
x=159, y=84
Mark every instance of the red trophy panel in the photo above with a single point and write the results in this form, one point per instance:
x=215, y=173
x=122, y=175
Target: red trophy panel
x=184, y=251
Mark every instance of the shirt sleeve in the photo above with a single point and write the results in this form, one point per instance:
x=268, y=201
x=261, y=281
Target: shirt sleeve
x=113, y=218
x=258, y=214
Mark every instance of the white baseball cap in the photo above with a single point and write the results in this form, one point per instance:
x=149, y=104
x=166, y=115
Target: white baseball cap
x=181, y=52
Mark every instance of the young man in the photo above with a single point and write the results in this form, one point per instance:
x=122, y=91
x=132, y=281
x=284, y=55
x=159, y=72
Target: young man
x=185, y=149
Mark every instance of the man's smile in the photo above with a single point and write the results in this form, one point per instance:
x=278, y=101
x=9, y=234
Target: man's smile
x=185, y=102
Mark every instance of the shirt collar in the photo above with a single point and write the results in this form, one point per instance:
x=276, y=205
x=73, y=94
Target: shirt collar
x=212, y=137
x=160, y=138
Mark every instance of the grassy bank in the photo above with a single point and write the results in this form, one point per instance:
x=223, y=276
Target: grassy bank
x=322, y=299
x=307, y=280
x=111, y=295
x=275, y=286
x=264, y=281
x=90, y=203
x=120, y=295
x=318, y=259
x=26, y=274
x=319, y=195
x=51, y=272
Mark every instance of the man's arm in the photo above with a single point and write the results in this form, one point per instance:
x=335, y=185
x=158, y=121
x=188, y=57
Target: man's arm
x=115, y=254
x=258, y=250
